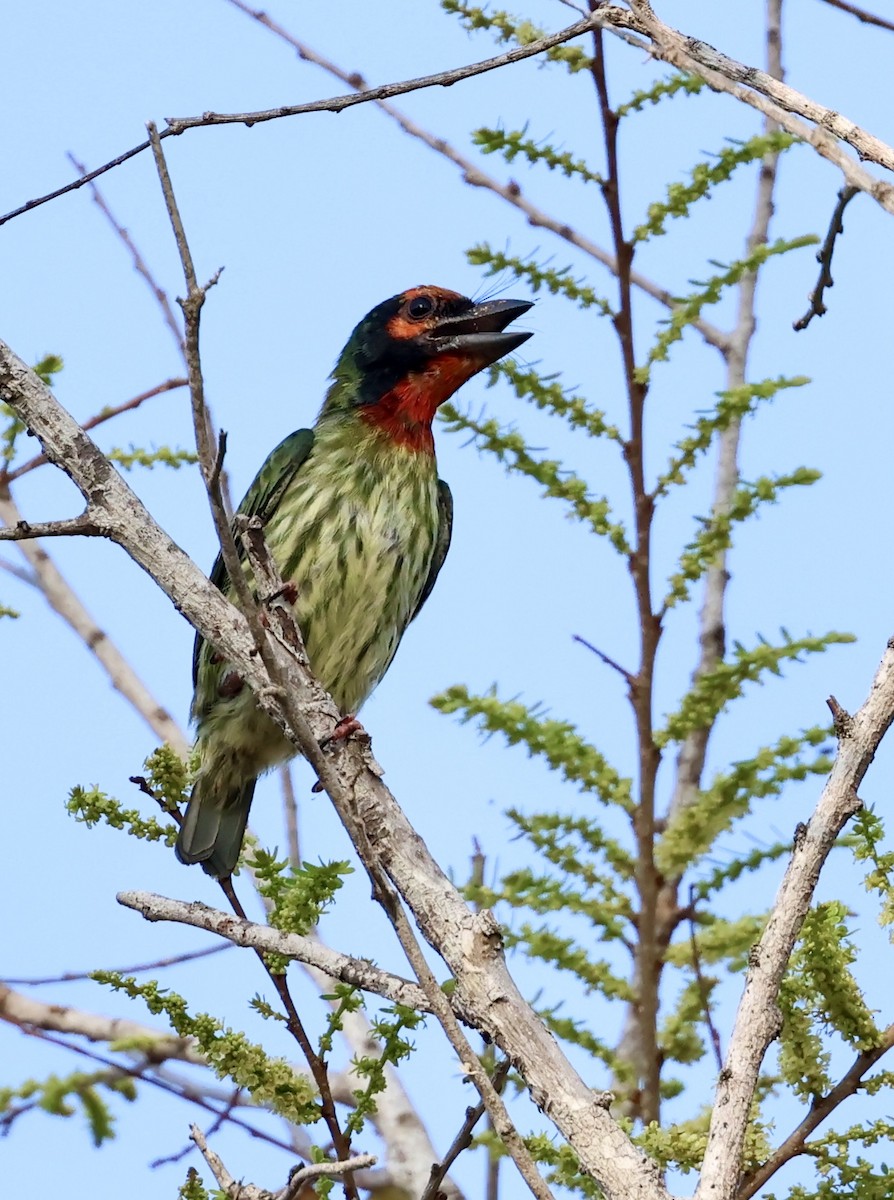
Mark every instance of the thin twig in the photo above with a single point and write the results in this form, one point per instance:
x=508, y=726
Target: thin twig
x=107, y=414
x=211, y=459
x=20, y=573
x=712, y=626
x=703, y=985
x=323, y=1170
x=316, y=1064
x=65, y=602
x=609, y=662
x=157, y=965
x=139, y=263
x=867, y=18
x=190, y=1096
x=177, y=125
x=640, y=1046
x=824, y=258
x=222, y=1117
x=463, y=1139
x=821, y=1108
x=290, y=808
x=88, y=524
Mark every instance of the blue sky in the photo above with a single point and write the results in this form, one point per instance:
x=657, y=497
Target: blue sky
x=315, y=220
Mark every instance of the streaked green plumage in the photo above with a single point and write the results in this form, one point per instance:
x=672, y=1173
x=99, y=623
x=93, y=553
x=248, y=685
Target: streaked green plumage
x=356, y=517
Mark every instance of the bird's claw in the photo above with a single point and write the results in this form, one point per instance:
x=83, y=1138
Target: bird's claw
x=347, y=727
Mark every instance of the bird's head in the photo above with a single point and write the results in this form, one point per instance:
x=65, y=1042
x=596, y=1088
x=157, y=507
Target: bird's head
x=411, y=353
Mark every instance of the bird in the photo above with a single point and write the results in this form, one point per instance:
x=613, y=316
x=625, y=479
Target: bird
x=358, y=523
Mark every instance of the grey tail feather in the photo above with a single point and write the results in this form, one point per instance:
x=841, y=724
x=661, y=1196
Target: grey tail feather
x=213, y=828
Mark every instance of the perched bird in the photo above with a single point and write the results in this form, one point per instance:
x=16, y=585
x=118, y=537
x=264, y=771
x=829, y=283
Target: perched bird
x=357, y=519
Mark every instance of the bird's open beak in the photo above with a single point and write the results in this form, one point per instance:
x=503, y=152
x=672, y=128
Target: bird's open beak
x=478, y=333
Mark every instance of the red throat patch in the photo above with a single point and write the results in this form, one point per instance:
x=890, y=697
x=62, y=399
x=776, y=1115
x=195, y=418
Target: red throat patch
x=407, y=411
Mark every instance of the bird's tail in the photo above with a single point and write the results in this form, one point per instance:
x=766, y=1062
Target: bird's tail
x=214, y=826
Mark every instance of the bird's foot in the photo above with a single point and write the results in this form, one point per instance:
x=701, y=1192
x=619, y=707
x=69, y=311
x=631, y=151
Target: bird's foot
x=347, y=727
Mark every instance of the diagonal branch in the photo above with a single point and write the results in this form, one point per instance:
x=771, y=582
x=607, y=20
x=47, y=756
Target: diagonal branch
x=309, y=950
x=18, y=1009
x=674, y=49
x=712, y=630
x=667, y=40
x=65, y=602
x=757, y=1021
x=867, y=18
x=106, y=414
x=177, y=125
x=796, y=1142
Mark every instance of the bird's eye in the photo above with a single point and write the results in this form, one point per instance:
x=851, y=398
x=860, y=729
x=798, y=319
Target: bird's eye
x=420, y=306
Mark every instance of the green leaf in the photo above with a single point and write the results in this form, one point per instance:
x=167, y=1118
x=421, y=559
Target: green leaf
x=710, y=291
x=511, y=145
x=707, y=175
x=662, y=89
x=508, y=28
x=556, y=741
x=510, y=448
x=714, y=690
x=557, y=281
x=158, y=456
x=716, y=533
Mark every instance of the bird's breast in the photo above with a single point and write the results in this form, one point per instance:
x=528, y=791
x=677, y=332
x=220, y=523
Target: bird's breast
x=357, y=538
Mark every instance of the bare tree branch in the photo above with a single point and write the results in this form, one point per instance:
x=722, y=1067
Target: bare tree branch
x=237, y=1190
x=463, y=1139
x=356, y=971
x=824, y=258
x=158, y=964
x=667, y=40
x=88, y=524
x=757, y=1021
x=64, y=601
x=712, y=627
x=674, y=47
x=867, y=18
x=820, y=1109
x=17, y=1009
x=177, y=125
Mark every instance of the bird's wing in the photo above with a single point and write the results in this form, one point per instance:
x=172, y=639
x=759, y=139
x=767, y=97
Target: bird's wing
x=442, y=542
x=261, y=500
